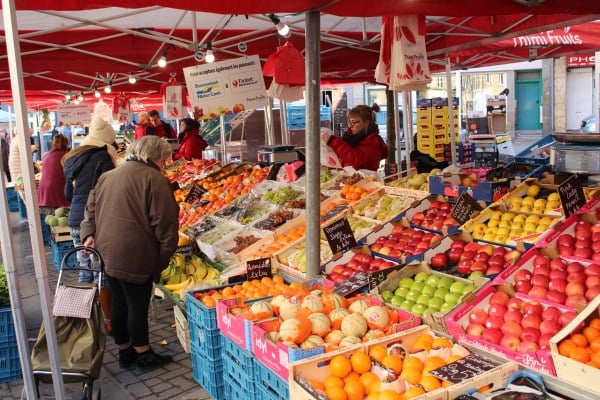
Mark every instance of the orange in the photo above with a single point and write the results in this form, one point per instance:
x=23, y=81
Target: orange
x=361, y=362
x=579, y=339
x=355, y=390
x=595, y=323
x=378, y=352
x=393, y=362
x=565, y=347
x=591, y=333
x=413, y=392
x=352, y=376
x=421, y=345
x=595, y=345
x=430, y=383
x=441, y=342
x=413, y=362
x=595, y=357
x=375, y=387
x=594, y=364
x=411, y=375
x=580, y=354
x=433, y=363
x=453, y=358
x=336, y=393
x=367, y=379
x=209, y=302
x=389, y=395
x=425, y=337
x=332, y=381
x=277, y=279
x=340, y=366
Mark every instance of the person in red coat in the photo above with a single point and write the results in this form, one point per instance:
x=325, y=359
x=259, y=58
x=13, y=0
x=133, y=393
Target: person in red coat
x=361, y=147
x=191, y=143
x=51, y=190
x=143, y=124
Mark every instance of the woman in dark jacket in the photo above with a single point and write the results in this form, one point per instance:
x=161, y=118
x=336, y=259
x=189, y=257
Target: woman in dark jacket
x=131, y=218
x=361, y=147
x=191, y=143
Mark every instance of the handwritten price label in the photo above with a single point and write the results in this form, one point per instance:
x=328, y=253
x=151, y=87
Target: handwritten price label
x=352, y=284
x=463, y=369
x=194, y=194
x=258, y=269
x=339, y=236
x=571, y=195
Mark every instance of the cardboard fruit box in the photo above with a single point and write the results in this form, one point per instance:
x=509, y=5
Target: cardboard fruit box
x=457, y=323
x=383, y=207
x=453, y=185
x=434, y=319
x=234, y=326
x=572, y=371
x=543, y=192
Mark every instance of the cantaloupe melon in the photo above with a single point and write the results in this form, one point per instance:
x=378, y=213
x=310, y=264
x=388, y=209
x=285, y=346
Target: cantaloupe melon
x=320, y=324
x=354, y=325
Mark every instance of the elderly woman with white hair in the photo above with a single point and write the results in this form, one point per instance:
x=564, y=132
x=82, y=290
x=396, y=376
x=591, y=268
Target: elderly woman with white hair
x=131, y=218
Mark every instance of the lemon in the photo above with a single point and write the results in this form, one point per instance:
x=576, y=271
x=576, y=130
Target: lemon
x=507, y=216
x=553, y=197
x=545, y=221
x=532, y=219
x=496, y=215
x=493, y=223
x=528, y=201
x=518, y=219
x=533, y=191
x=525, y=208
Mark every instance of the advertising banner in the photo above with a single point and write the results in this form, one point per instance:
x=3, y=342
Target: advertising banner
x=71, y=114
x=173, y=101
x=226, y=87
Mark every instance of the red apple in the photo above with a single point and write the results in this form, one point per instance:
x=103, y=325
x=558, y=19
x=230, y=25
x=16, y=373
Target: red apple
x=542, y=269
x=533, y=307
x=544, y=341
x=497, y=260
x=566, y=317
x=575, y=267
x=338, y=268
x=478, y=316
x=576, y=277
x=592, y=269
x=499, y=251
x=530, y=334
x=583, y=252
x=596, y=256
x=551, y=313
x=592, y=292
x=523, y=275
x=523, y=286
x=528, y=346
x=515, y=304
x=335, y=277
x=439, y=260
x=494, y=269
x=556, y=296
x=513, y=315
x=512, y=256
x=539, y=292
x=476, y=330
x=454, y=254
x=479, y=266
x=558, y=274
x=574, y=288
x=566, y=240
x=493, y=322
x=481, y=256
x=487, y=249
x=550, y=327
x=559, y=264
x=511, y=328
x=541, y=260
x=531, y=321
x=540, y=280
x=510, y=342
x=575, y=300
x=472, y=246
x=492, y=335
x=464, y=266
x=499, y=297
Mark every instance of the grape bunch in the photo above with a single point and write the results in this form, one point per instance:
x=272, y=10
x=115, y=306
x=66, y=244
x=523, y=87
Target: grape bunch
x=280, y=196
x=242, y=242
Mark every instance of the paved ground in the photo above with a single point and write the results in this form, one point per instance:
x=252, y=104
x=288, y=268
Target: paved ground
x=175, y=380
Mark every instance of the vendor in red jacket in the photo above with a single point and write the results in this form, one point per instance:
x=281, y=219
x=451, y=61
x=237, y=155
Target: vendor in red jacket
x=191, y=143
x=361, y=147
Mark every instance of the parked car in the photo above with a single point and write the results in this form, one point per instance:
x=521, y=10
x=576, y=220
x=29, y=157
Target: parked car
x=588, y=124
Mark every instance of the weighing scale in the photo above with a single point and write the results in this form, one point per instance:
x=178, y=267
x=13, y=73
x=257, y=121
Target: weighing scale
x=277, y=154
x=576, y=153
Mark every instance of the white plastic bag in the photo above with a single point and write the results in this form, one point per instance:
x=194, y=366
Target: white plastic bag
x=328, y=156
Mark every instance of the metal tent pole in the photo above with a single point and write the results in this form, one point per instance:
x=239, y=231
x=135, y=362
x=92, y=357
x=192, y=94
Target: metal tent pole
x=450, y=111
x=313, y=142
x=269, y=126
x=285, y=132
x=16, y=79
x=408, y=133
x=223, y=139
x=397, y=129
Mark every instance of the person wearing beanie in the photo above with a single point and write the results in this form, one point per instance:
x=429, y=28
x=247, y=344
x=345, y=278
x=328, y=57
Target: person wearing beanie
x=83, y=166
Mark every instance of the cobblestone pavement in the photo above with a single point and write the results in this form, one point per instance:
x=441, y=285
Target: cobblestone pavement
x=173, y=381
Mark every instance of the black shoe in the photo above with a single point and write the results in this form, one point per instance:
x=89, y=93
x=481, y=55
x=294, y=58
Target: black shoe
x=149, y=359
x=127, y=357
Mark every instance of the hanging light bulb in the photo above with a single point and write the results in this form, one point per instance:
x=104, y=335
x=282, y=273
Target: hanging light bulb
x=282, y=29
x=132, y=78
x=76, y=102
x=68, y=96
x=80, y=97
x=97, y=93
x=162, y=61
x=210, y=57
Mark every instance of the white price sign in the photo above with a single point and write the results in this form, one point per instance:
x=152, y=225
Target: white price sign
x=71, y=114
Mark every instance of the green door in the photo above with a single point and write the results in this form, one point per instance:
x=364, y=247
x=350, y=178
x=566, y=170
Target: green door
x=528, y=88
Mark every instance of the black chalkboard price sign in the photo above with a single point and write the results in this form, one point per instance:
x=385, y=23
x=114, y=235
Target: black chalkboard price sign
x=352, y=284
x=463, y=369
x=339, y=236
x=375, y=278
x=258, y=269
x=195, y=193
x=571, y=195
x=464, y=208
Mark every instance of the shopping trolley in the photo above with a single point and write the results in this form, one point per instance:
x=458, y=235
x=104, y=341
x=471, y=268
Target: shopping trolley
x=81, y=340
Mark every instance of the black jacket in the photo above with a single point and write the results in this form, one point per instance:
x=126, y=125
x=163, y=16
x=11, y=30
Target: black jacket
x=83, y=166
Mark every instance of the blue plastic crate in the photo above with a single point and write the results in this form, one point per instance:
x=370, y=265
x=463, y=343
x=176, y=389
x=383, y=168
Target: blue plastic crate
x=243, y=374
x=7, y=327
x=208, y=341
x=199, y=314
x=531, y=154
x=22, y=208
x=10, y=365
x=13, y=199
x=232, y=350
x=208, y=374
x=59, y=249
x=271, y=386
x=234, y=391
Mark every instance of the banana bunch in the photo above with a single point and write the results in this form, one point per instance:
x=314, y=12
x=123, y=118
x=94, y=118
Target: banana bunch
x=182, y=273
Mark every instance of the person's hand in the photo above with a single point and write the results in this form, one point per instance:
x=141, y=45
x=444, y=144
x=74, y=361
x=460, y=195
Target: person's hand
x=89, y=242
x=325, y=136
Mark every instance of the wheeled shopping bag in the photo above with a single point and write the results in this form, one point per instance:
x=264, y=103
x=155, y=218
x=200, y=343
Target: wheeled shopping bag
x=80, y=328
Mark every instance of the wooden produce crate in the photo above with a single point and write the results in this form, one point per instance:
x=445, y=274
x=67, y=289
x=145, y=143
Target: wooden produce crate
x=61, y=234
x=181, y=325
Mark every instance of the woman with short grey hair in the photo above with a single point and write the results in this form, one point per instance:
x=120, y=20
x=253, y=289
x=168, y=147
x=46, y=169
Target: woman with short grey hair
x=149, y=148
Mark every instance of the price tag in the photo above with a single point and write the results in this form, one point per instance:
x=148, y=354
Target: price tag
x=187, y=251
x=352, y=284
x=571, y=195
x=195, y=193
x=375, y=278
x=464, y=208
x=339, y=236
x=494, y=173
x=258, y=269
x=333, y=212
x=463, y=369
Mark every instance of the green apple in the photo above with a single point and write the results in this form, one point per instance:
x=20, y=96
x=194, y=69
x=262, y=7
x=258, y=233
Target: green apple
x=396, y=301
x=469, y=289
x=445, y=282
x=418, y=286
x=430, y=310
x=413, y=295
x=474, y=275
x=457, y=287
x=401, y=291
x=406, y=282
x=387, y=295
x=436, y=303
x=423, y=299
x=440, y=292
x=421, y=276
x=433, y=280
x=418, y=309
x=447, y=307
x=451, y=298
x=428, y=290
x=407, y=305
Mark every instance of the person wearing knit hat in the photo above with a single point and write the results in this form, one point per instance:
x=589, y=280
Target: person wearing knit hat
x=82, y=167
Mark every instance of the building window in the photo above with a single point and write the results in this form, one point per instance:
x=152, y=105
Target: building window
x=488, y=78
x=501, y=79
